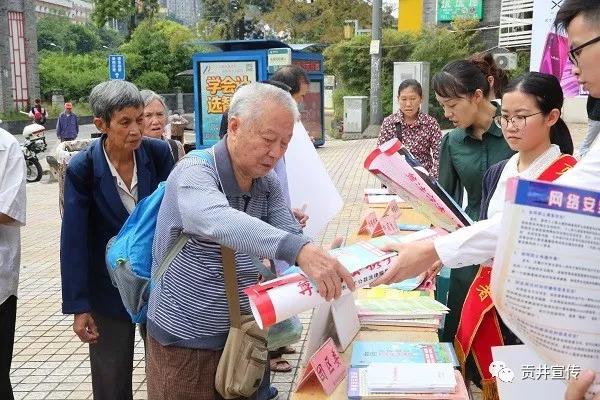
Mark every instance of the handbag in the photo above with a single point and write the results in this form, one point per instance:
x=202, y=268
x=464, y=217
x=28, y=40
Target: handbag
x=244, y=359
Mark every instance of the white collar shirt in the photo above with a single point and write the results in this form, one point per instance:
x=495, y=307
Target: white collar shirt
x=129, y=197
x=12, y=204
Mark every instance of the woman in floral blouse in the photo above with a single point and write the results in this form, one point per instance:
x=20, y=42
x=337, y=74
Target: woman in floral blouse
x=419, y=132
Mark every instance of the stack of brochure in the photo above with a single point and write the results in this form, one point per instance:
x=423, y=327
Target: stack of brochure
x=392, y=307
x=410, y=378
x=400, y=370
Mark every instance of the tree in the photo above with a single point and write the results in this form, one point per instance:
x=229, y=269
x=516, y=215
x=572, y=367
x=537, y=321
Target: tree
x=153, y=80
x=161, y=46
x=74, y=75
x=350, y=62
x=73, y=38
x=133, y=10
x=233, y=19
x=321, y=21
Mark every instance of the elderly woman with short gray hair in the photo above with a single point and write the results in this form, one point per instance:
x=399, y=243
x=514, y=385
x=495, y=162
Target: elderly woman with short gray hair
x=103, y=183
x=155, y=121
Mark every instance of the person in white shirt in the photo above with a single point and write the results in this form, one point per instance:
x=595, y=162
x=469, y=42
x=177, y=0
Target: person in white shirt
x=12, y=217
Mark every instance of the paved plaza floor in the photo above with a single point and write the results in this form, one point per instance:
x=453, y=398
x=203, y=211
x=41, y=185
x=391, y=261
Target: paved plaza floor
x=49, y=360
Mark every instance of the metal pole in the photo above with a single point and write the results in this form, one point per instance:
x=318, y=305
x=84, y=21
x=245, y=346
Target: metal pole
x=375, y=101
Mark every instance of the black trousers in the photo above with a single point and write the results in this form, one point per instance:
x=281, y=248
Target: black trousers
x=111, y=359
x=8, y=316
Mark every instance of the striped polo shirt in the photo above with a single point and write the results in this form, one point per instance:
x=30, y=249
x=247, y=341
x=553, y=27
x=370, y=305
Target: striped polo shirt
x=188, y=306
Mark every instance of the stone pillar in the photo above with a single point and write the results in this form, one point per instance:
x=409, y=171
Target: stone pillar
x=6, y=102
x=29, y=21
x=32, y=49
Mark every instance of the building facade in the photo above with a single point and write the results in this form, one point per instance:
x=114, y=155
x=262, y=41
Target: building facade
x=487, y=11
x=78, y=11
x=81, y=12
x=188, y=12
x=19, y=80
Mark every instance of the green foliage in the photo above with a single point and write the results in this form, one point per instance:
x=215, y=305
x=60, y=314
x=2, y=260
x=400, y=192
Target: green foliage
x=153, y=80
x=57, y=72
x=438, y=46
x=13, y=116
x=320, y=21
x=73, y=38
x=350, y=61
x=232, y=19
x=80, y=109
x=133, y=10
x=159, y=46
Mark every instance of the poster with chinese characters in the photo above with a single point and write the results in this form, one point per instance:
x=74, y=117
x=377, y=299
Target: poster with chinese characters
x=546, y=271
x=218, y=83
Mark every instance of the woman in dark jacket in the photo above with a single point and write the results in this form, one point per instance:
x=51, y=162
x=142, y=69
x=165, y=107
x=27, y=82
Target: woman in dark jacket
x=102, y=186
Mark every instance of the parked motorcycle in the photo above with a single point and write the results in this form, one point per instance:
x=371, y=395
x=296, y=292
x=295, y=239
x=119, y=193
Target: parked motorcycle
x=35, y=143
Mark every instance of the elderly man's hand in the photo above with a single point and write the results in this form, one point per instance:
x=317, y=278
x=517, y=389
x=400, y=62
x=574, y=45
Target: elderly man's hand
x=324, y=270
x=85, y=327
x=577, y=387
x=412, y=260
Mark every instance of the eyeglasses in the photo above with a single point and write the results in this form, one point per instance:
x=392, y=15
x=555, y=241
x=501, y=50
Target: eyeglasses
x=518, y=121
x=576, y=52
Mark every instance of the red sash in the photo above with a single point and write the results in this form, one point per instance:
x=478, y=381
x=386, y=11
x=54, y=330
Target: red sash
x=478, y=329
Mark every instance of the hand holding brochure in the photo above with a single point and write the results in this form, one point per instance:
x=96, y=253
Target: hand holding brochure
x=279, y=299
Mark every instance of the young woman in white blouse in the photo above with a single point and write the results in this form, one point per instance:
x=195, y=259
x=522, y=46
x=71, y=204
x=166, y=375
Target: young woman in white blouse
x=532, y=126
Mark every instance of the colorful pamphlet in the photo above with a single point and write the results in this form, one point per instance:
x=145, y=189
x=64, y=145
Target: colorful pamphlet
x=367, y=353
x=397, y=168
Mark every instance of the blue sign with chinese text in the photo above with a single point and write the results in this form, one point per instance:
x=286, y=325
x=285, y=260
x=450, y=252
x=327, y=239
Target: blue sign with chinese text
x=555, y=197
x=116, y=67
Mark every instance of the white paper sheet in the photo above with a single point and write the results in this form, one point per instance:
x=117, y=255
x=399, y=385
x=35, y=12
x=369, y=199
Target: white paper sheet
x=309, y=183
x=546, y=273
x=516, y=358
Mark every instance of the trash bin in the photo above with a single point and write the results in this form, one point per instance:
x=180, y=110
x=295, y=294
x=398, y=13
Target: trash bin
x=64, y=152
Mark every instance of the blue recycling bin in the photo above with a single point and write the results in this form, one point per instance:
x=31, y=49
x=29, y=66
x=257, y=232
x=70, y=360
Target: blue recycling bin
x=218, y=74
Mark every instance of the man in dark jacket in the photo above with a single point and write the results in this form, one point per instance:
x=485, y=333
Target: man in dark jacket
x=67, y=126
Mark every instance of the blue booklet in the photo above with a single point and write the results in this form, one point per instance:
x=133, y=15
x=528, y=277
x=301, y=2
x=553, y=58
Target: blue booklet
x=366, y=353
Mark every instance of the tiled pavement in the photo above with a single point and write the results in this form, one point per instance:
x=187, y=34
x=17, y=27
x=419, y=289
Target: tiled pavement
x=51, y=363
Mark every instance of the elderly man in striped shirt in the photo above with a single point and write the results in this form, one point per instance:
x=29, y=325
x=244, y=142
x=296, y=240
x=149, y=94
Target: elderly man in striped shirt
x=236, y=201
